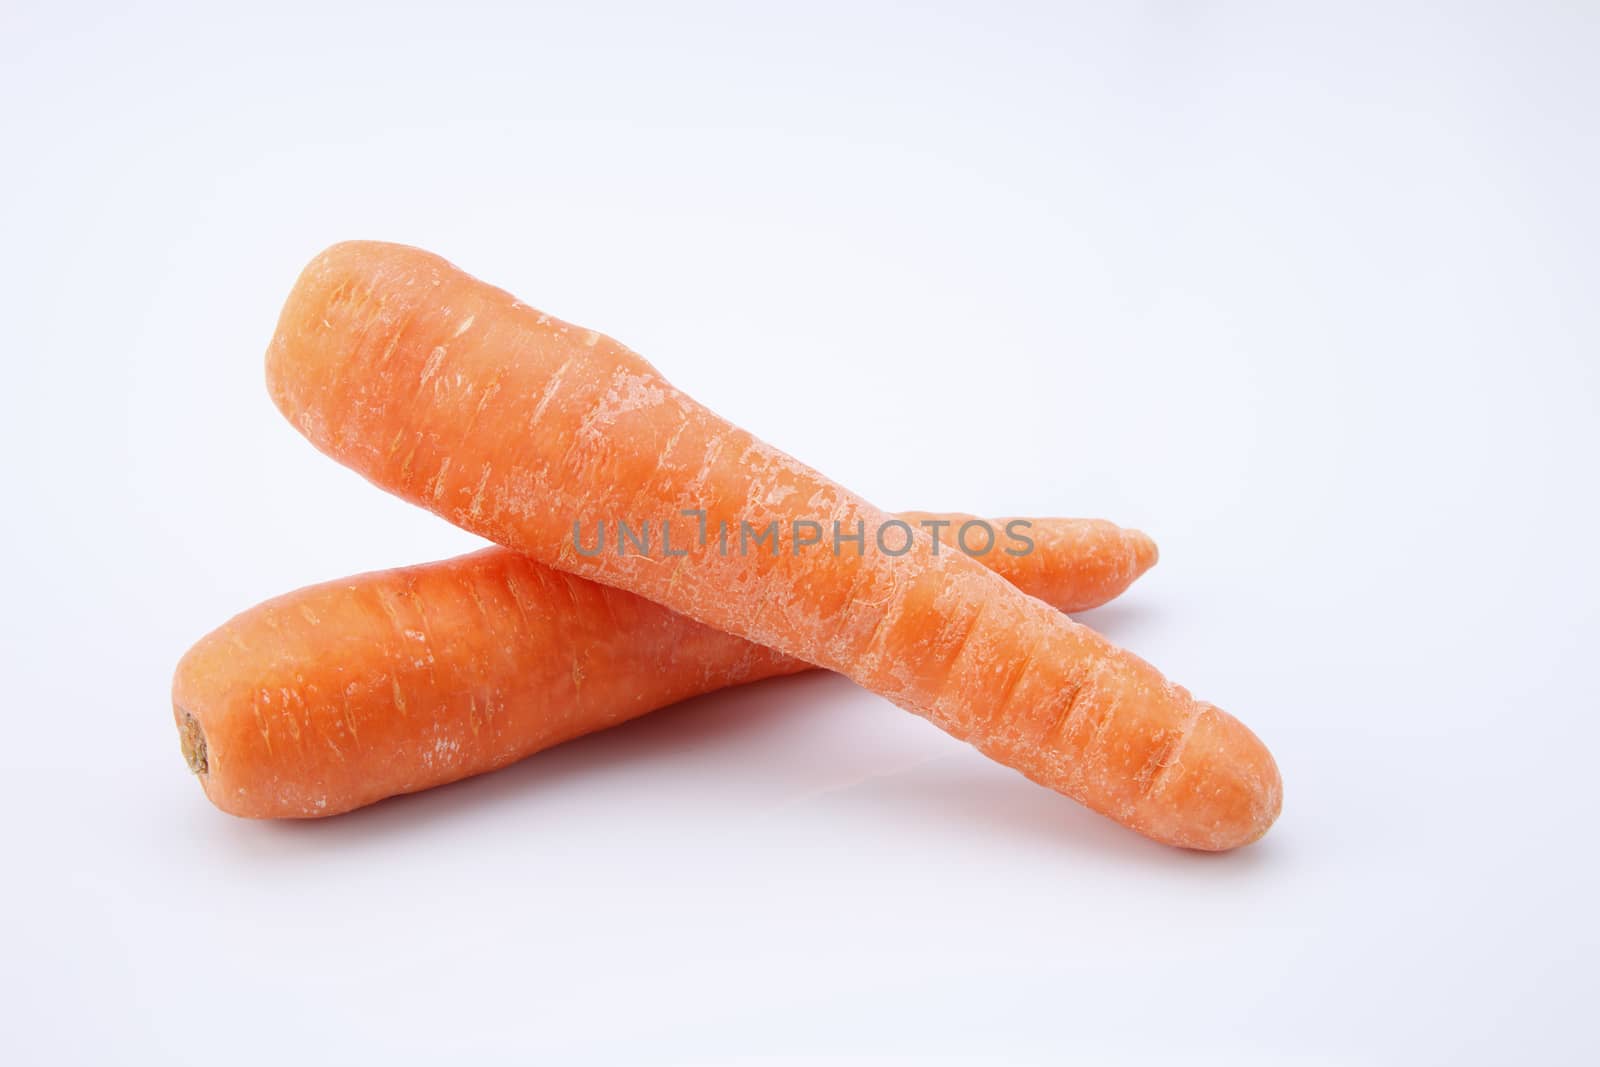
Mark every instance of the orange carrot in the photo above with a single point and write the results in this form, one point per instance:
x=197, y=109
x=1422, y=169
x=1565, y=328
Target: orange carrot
x=1073, y=564
x=521, y=428
x=347, y=692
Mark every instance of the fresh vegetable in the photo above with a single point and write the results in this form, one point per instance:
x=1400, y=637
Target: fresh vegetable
x=347, y=692
x=524, y=429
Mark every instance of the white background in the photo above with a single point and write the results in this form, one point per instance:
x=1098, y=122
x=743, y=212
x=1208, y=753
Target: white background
x=1307, y=294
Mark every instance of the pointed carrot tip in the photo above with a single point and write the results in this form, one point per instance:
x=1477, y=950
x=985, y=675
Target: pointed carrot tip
x=1145, y=553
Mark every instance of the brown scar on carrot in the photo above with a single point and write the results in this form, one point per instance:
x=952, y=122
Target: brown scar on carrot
x=193, y=740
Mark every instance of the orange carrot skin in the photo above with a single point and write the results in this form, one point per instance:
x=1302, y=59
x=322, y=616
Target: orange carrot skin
x=512, y=424
x=344, y=693
x=1071, y=564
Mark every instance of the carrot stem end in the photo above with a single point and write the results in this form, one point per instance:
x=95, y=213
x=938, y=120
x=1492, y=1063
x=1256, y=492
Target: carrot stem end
x=193, y=740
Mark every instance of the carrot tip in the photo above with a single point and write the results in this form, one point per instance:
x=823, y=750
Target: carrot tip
x=193, y=740
x=1145, y=552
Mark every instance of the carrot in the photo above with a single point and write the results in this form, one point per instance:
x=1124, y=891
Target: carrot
x=1073, y=565
x=347, y=692
x=521, y=428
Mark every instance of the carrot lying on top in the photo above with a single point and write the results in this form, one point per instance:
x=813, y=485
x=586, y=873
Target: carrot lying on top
x=517, y=426
x=347, y=692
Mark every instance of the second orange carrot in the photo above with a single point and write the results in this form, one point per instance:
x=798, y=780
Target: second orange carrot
x=347, y=692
